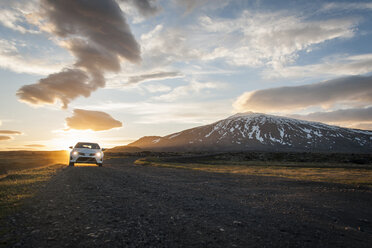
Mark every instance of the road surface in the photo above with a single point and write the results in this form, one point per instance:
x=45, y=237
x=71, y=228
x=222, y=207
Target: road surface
x=124, y=205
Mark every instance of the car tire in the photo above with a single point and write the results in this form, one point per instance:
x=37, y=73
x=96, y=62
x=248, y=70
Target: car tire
x=71, y=164
x=99, y=164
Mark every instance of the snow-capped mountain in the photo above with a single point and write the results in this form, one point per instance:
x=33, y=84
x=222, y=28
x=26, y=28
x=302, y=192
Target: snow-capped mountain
x=256, y=131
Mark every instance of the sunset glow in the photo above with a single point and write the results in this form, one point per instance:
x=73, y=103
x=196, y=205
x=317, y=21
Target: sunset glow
x=168, y=65
x=70, y=138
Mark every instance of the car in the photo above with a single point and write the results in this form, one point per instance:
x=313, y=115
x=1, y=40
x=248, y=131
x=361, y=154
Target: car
x=87, y=153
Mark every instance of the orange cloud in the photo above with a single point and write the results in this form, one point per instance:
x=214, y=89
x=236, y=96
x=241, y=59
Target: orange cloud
x=10, y=132
x=91, y=120
x=35, y=145
x=2, y=137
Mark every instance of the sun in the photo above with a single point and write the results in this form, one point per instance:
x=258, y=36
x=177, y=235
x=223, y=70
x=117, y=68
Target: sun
x=71, y=137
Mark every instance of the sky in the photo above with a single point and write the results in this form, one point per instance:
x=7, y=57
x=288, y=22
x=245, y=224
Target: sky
x=112, y=71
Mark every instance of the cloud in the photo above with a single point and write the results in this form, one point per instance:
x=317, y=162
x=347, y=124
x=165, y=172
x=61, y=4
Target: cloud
x=2, y=137
x=11, y=18
x=193, y=88
x=157, y=52
x=353, y=115
x=10, y=132
x=13, y=15
x=197, y=5
x=336, y=65
x=63, y=86
x=101, y=23
x=272, y=40
x=269, y=38
x=364, y=126
x=146, y=7
x=97, y=34
x=185, y=112
x=354, y=90
x=190, y=4
x=156, y=88
x=347, y=6
x=354, y=118
x=195, y=113
x=139, y=10
x=154, y=76
x=10, y=58
x=35, y=145
x=91, y=120
x=134, y=82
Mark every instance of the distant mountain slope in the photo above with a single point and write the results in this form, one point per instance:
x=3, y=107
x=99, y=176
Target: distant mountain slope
x=255, y=131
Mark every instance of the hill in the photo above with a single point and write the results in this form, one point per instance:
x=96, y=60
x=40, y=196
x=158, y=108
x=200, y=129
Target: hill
x=262, y=132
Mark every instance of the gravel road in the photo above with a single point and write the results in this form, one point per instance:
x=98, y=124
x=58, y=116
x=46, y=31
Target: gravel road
x=124, y=205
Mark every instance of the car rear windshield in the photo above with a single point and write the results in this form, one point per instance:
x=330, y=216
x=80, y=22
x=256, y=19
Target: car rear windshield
x=87, y=145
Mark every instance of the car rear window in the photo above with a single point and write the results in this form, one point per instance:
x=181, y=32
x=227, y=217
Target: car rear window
x=87, y=145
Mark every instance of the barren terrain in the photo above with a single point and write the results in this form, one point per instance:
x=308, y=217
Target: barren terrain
x=128, y=205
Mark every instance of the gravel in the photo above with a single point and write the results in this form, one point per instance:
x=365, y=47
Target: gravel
x=124, y=205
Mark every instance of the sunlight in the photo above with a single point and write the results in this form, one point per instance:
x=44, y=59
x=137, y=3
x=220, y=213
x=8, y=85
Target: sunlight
x=71, y=137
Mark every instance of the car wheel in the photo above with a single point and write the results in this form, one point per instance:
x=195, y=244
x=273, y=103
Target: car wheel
x=71, y=164
x=99, y=164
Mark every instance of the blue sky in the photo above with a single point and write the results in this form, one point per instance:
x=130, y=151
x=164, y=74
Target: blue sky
x=187, y=63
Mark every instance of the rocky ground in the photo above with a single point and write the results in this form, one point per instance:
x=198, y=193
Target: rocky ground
x=124, y=205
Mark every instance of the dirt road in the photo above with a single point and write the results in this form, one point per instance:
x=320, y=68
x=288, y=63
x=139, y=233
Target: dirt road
x=123, y=205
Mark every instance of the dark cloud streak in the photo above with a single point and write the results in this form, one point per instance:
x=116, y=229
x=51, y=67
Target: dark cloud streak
x=153, y=76
x=97, y=34
x=145, y=7
x=355, y=90
x=355, y=115
x=10, y=132
x=64, y=86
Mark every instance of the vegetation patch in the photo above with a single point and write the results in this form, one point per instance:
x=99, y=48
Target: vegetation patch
x=17, y=185
x=19, y=160
x=354, y=174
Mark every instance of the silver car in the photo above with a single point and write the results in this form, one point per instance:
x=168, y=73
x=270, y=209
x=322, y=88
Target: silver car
x=84, y=152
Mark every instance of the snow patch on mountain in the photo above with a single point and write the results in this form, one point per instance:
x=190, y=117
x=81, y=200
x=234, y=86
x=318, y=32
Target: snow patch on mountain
x=257, y=131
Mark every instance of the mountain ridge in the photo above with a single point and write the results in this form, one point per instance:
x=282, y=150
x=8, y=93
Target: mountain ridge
x=262, y=132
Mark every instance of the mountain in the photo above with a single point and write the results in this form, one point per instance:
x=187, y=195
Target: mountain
x=262, y=132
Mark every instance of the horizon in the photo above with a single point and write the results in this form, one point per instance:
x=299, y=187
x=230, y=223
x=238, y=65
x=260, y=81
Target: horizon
x=114, y=71
x=128, y=144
